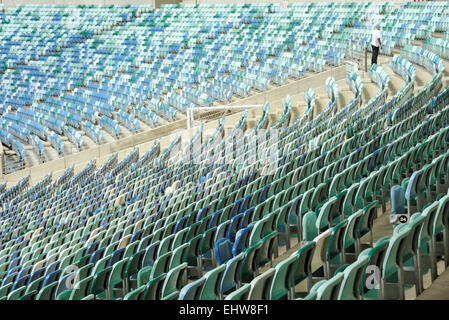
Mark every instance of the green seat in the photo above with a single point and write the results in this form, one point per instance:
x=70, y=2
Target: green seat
x=367, y=221
x=376, y=257
x=17, y=293
x=334, y=251
x=239, y=294
x=117, y=276
x=99, y=287
x=207, y=246
x=135, y=294
x=302, y=269
x=30, y=295
x=179, y=255
x=194, y=260
x=260, y=286
x=176, y=278
x=351, y=240
x=269, y=247
x=352, y=276
x=426, y=240
x=153, y=290
x=4, y=290
x=82, y=289
x=313, y=293
x=329, y=290
x=282, y=280
x=249, y=265
x=47, y=292
x=441, y=227
x=132, y=268
x=212, y=286
x=392, y=271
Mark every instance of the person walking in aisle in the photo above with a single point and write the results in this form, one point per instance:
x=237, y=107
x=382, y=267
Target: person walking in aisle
x=375, y=43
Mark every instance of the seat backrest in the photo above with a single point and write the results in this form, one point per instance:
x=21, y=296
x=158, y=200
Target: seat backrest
x=193, y=290
x=351, y=232
x=303, y=265
x=240, y=294
x=441, y=219
x=150, y=254
x=396, y=246
x=397, y=200
x=223, y=250
x=174, y=280
x=161, y=264
x=261, y=285
x=330, y=289
x=283, y=278
x=153, y=289
x=352, y=277
x=241, y=240
x=231, y=274
x=212, y=287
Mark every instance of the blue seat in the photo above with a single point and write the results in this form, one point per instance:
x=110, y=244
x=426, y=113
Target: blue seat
x=236, y=208
x=37, y=274
x=52, y=267
x=223, y=250
x=234, y=226
x=241, y=240
x=247, y=218
x=230, y=279
x=215, y=219
x=143, y=244
x=246, y=203
x=180, y=224
x=414, y=202
x=116, y=256
x=150, y=254
x=91, y=249
x=25, y=271
x=222, y=230
x=10, y=278
x=52, y=277
x=202, y=213
x=397, y=200
x=264, y=193
x=96, y=256
x=20, y=282
x=136, y=236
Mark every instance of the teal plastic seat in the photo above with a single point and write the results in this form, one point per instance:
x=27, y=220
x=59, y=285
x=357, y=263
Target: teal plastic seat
x=392, y=271
x=282, y=280
x=135, y=294
x=212, y=286
x=261, y=285
x=352, y=276
x=329, y=290
x=373, y=269
x=302, y=269
x=239, y=294
x=176, y=279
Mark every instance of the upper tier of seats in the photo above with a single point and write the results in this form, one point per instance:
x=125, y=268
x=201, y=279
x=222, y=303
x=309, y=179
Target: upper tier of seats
x=153, y=64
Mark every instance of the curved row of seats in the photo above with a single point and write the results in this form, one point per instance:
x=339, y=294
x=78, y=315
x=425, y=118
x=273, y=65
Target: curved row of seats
x=149, y=223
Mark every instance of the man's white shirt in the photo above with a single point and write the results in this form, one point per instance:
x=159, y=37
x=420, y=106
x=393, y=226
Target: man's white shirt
x=375, y=38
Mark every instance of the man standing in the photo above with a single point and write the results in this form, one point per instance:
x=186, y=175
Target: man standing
x=375, y=43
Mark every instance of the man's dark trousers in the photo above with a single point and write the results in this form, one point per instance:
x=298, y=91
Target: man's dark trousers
x=375, y=53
